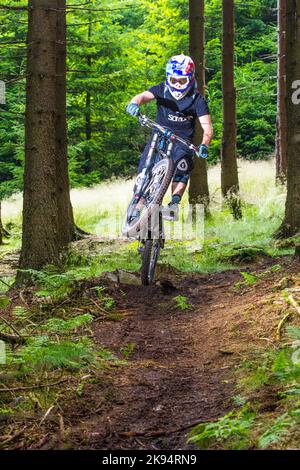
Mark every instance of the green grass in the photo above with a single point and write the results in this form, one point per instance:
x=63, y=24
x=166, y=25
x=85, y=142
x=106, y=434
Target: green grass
x=103, y=207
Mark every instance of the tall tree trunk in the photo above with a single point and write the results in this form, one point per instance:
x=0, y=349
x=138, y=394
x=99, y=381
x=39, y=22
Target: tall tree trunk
x=1, y=227
x=65, y=211
x=229, y=172
x=291, y=222
x=40, y=216
x=88, y=125
x=281, y=161
x=198, y=188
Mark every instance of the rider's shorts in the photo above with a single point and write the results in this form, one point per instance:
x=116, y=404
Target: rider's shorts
x=181, y=156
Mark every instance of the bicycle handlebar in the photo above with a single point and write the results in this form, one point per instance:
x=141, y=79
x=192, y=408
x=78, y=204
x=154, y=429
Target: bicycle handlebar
x=145, y=121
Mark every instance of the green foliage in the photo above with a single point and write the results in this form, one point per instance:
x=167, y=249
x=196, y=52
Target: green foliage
x=107, y=302
x=6, y=411
x=280, y=370
x=128, y=350
x=108, y=357
x=51, y=283
x=249, y=280
x=277, y=431
x=258, y=375
x=20, y=312
x=232, y=430
x=4, y=301
x=244, y=428
x=182, y=303
x=113, y=55
x=59, y=326
x=42, y=353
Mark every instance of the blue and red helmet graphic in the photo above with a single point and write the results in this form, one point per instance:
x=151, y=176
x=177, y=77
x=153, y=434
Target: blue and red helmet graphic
x=180, y=75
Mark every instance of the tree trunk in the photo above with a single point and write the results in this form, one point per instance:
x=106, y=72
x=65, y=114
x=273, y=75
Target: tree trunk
x=229, y=173
x=65, y=211
x=1, y=227
x=198, y=188
x=291, y=222
x=40, y=216
x=88, y=125
x=281, y=162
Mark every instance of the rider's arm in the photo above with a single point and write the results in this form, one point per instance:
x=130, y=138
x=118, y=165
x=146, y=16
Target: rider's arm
x=143, y=98
x=207, y=127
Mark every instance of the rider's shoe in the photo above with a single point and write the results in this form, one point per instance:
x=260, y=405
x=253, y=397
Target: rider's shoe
x=171, y=212
x=141, y=249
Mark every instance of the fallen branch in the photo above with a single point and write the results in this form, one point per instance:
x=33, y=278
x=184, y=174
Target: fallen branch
x=11, y=326
x=12, y=338
x=17, y=389
x=11, y=438
x=99, y=307
x=46, y=414
x=281, y=323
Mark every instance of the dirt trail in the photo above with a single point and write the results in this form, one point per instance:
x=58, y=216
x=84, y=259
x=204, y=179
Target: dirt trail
x=181, y=368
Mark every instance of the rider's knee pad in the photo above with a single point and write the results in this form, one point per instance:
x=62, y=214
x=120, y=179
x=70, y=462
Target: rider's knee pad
x=183, y=169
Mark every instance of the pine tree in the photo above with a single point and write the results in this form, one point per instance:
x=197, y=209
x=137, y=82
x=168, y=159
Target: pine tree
x=281, y=162
x=198, y=188
x=46, y=207
x=291, y=223
x=229, y=173
x=66, y=231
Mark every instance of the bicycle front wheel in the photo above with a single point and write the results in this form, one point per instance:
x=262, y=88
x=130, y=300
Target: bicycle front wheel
x=149, y=260
x=151, y=196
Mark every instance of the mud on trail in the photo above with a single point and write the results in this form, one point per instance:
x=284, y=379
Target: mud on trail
x=181, y=367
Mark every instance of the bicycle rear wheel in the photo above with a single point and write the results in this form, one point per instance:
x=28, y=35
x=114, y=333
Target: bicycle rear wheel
x=152, y=195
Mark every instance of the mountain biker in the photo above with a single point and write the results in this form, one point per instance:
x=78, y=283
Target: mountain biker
x=179, y=104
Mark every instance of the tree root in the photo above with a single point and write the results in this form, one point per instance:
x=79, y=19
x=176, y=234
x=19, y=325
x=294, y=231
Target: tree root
x=14, y=436
x=11, y=338
x=32, y=387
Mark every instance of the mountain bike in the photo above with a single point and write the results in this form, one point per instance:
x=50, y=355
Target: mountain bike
x=144, y=219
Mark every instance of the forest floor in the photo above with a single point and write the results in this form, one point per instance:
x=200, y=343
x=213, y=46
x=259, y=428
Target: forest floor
x=174, y=357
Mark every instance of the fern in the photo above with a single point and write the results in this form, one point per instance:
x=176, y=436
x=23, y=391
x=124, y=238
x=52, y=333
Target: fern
x=293, y=332
x=232, y=430
x=4, y=301
x=182, y=303
x=59, y=326
x=20, y=312
x=249, y=280
x=43, y=354
x=277, y=431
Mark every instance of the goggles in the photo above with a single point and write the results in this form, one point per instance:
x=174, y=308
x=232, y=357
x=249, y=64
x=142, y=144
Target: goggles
x=179, y=82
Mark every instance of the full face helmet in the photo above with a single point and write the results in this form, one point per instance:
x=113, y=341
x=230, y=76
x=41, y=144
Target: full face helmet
x=180, y=75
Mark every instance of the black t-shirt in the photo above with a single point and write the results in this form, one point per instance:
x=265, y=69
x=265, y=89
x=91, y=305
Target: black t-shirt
x=179, y=115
